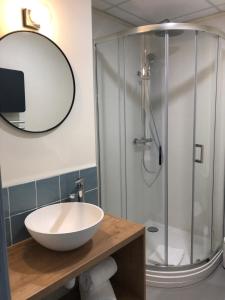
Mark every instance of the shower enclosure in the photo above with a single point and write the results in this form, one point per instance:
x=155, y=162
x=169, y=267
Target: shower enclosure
x=161, y=143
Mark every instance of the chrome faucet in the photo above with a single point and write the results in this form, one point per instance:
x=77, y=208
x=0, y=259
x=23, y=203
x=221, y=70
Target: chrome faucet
x=79, y=188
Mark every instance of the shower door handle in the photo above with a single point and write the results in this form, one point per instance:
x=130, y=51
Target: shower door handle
x=199, y=153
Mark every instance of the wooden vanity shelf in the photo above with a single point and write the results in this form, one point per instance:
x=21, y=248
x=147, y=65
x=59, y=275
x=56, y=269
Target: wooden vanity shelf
x=35, y=271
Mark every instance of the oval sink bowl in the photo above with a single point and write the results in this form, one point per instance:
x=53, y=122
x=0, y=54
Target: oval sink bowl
x=64, y=226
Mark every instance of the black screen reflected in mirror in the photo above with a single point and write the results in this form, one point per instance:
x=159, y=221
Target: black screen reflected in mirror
x=12, y=91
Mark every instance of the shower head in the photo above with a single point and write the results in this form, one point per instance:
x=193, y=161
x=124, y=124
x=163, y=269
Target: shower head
x=151, y=57
x=172, y=33
x=145, y=71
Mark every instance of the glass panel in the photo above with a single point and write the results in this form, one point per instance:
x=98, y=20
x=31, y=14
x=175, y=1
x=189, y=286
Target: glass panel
x=218, y=197
x=144, y=102
x=204, y=148
x=109, y=84
x=180, y=145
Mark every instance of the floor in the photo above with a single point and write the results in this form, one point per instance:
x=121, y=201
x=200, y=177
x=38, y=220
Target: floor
x=213, y=288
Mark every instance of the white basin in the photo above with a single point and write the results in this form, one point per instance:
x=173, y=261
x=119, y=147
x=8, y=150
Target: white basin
x=64, y=226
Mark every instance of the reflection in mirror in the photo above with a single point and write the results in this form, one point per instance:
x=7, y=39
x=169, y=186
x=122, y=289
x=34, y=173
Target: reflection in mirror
x=37, y=85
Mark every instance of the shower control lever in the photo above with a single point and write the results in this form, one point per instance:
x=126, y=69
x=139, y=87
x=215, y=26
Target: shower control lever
x=142, y=141
x=160, y=155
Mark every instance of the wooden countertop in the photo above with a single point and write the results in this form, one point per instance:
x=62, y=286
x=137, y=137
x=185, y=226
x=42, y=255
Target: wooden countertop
x=36, y=271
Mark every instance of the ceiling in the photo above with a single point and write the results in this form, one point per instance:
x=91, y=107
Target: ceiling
x=141, y=12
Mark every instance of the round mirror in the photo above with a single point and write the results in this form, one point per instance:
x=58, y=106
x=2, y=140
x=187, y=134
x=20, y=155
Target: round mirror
x=37, y=86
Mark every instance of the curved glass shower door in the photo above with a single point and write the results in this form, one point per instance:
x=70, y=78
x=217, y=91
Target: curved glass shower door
x=181, y=111
x=145, y=139
x=161, y=146
x=205, y=126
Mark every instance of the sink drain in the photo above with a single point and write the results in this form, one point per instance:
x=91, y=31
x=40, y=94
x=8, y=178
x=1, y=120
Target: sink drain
x=153, y=229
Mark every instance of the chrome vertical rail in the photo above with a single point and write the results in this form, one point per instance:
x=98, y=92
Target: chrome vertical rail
x=219, y=82
x=98, y=148
x=122, y=125
x=166, y=145
x=193, y=151
x=4, y=276
x=214, y=140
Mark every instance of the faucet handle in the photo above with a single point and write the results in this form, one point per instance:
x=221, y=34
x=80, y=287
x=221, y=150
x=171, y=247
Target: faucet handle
x=80, y=187
x=79, y=182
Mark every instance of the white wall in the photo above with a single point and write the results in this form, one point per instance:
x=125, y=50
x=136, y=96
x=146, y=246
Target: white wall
x=23, y=156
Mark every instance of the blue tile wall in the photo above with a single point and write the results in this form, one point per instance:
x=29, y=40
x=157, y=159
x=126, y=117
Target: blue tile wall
x=48, y=191
x=67, y=183
x=20, y=200
x=8, y=231
x=90, y=178
x=5, y=202
x=19, y=231
x=22, y=197
x=91, y=196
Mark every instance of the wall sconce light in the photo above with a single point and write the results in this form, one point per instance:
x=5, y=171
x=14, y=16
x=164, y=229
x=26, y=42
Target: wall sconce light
x=27, y=20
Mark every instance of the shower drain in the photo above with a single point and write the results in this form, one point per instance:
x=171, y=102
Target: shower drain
x=153, y=229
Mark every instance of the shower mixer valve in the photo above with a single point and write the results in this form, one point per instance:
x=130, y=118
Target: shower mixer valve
x=142, y=141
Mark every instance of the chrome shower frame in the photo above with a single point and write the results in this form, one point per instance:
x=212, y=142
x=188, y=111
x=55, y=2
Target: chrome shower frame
x=161, y=27
x=166, y=27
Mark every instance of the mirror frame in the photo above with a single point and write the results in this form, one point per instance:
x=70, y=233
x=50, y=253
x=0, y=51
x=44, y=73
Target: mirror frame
x=73, y=80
